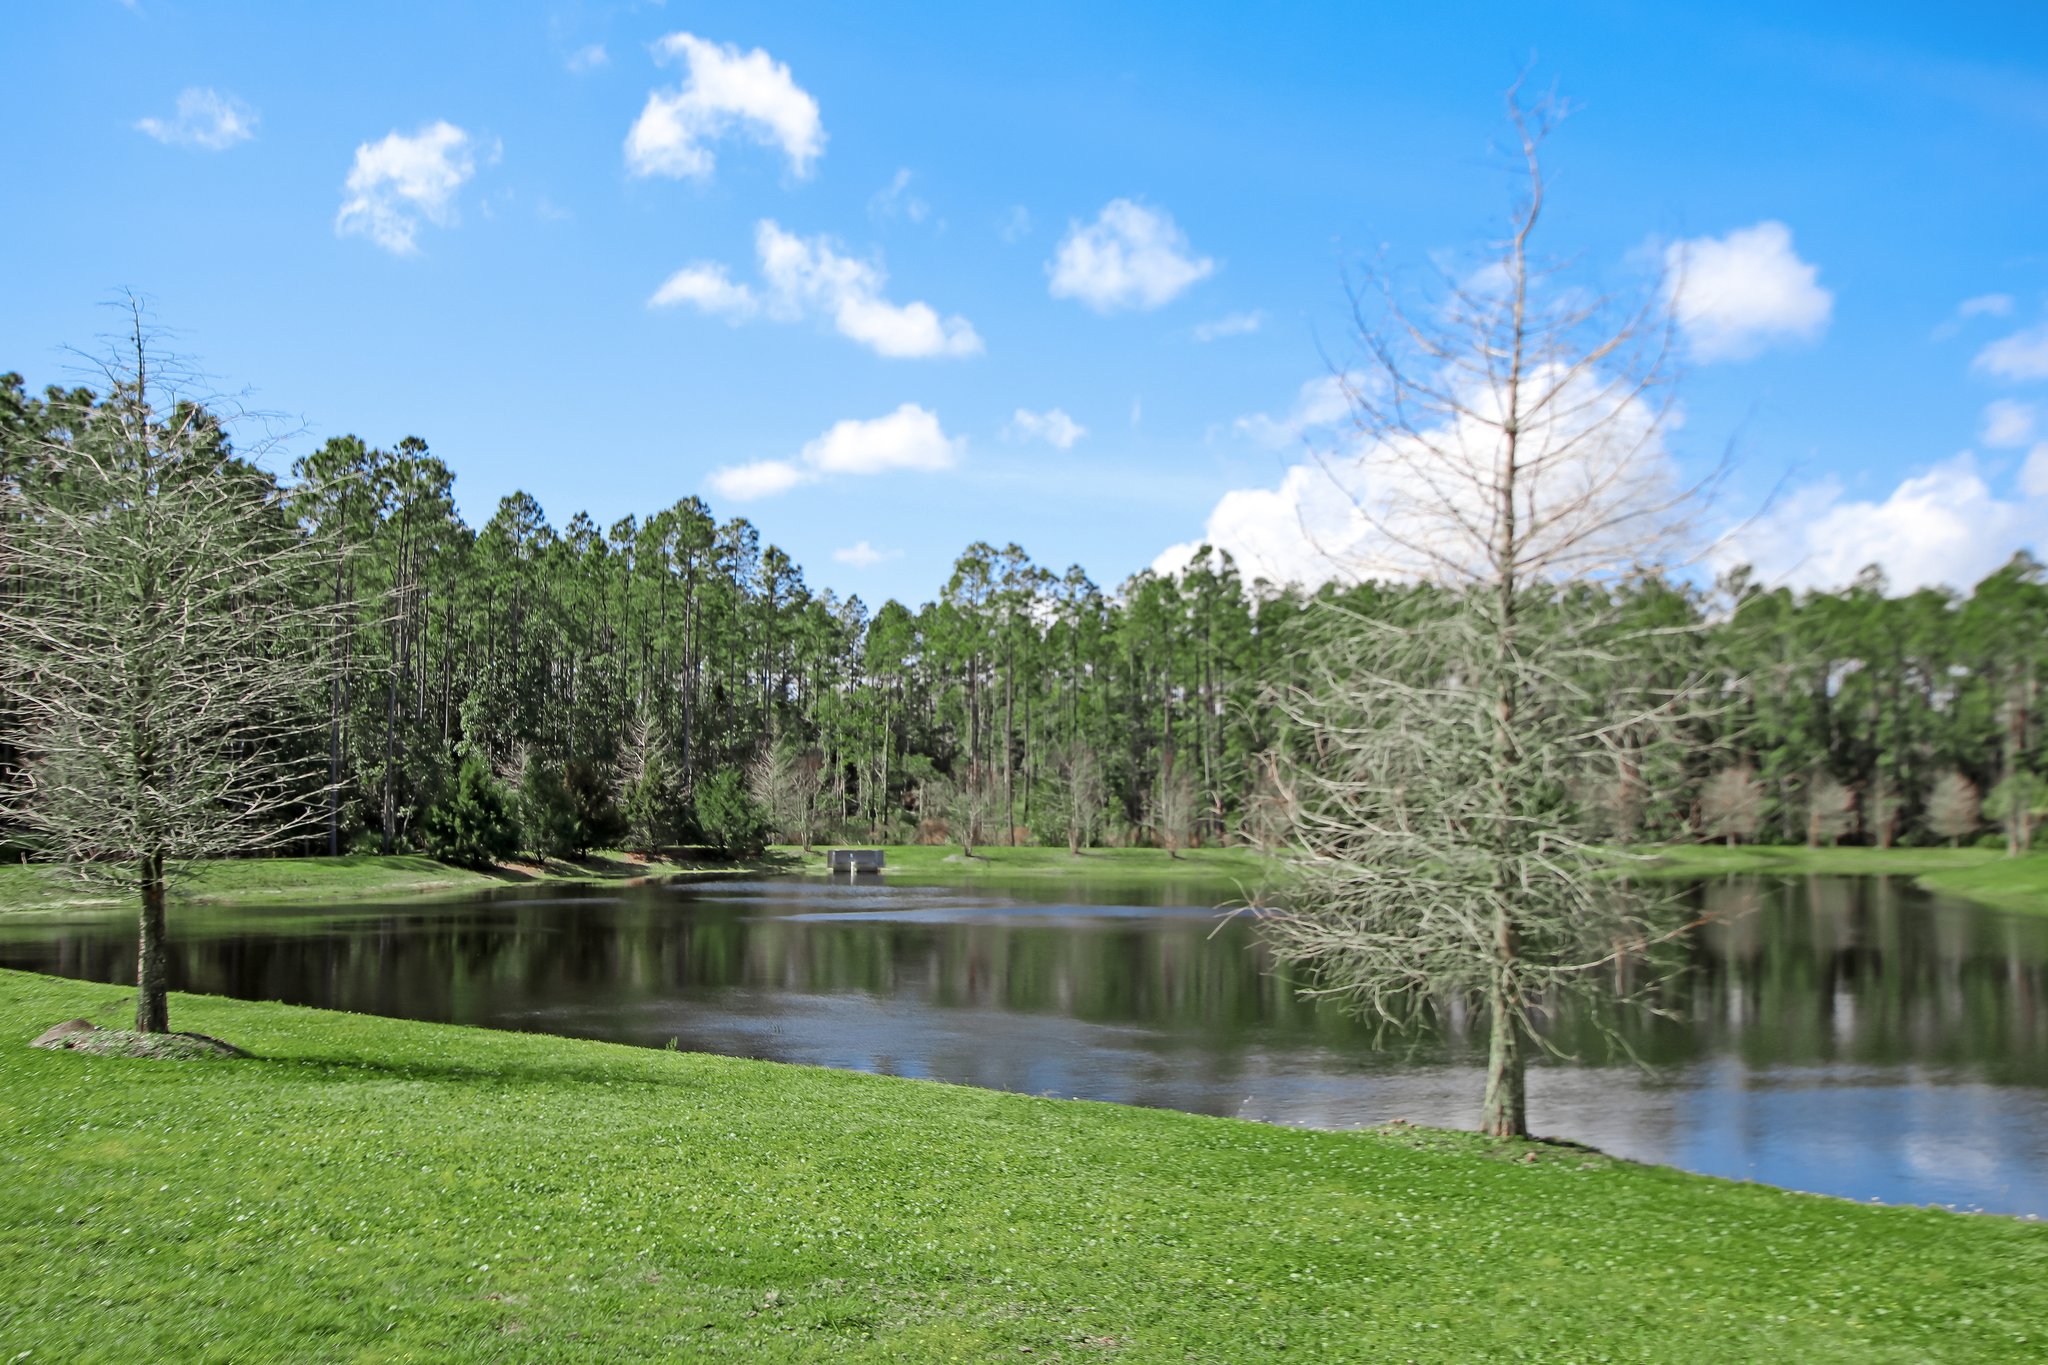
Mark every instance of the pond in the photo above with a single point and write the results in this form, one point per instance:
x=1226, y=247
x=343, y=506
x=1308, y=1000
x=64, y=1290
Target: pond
x=1854, y=1037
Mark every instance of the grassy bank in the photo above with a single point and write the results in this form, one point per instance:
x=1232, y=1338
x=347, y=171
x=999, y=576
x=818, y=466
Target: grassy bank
x=357, y=876
x=378, y=1191
x=1125, y=866
x=1984, y=875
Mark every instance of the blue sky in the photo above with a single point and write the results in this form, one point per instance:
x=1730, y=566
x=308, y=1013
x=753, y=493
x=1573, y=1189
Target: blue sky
x=812, y=263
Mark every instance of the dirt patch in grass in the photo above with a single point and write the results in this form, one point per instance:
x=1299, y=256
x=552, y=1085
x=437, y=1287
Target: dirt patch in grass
x=79, y=1035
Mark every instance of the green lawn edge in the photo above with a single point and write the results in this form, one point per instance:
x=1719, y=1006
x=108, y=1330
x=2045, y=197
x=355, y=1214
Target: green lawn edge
x=1983, y=875
x=376, y=1190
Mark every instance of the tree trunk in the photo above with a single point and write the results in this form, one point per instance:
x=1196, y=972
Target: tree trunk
x=152, y=987
x=1506, y=1110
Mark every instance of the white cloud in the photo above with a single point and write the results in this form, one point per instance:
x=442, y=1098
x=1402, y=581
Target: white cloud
x=1945, y=526
x=2021, y=356
x=2008, y=424
x=909, y=438
x=724, y=90
x=399, y=181
x=2034, y=473
x=1419, y=508
x=1985, y=305
x=1230, y=325
x=862, y=555
x=761, y=479
x=1979, y=306
x=1015, y=225
x=1131, y=256
x=1322, y=401
x=1735, y=295
x=588, y=58
x=1052, y=426
x=205, y=119
x=707, y=287
x=894, y=200
x=809, y=277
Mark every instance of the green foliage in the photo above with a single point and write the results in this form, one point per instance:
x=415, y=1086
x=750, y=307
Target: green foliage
x=738, y=1210
x=473, y=825
x=657, y=811
x=548, y=820
x=729, y=817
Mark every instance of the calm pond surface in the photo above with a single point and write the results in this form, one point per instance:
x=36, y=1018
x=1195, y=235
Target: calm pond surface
x=1850, y=1036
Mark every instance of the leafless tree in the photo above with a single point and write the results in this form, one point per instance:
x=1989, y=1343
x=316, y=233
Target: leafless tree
x=1083, y=791
x=1830, y=811
x=787, y=781
x=1732, y=804
x=162, y=660
x=1507, y=447
x=1173, y=807
x=1954, y=808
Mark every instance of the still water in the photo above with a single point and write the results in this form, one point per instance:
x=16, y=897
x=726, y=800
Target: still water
x=1854, y=1037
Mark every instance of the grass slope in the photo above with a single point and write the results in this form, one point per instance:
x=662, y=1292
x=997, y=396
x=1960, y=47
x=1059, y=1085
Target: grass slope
x=372, y=1190
x=355, y=876
x=1984, y=875
x=1115, y=866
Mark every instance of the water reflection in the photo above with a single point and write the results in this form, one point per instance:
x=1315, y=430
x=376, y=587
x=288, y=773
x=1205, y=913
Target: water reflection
x=1854, y=1037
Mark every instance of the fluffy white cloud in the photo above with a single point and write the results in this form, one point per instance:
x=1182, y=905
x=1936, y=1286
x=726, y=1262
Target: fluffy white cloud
x=1945, y=526
x=1232, y=325
x=2008, y=424
x=1131, y=256
x=909, y=438
x=205, y=119
x=401, y=180
x=706, y=286
x=588, y=58
x=1052, y=426
x=809, y=277
x=724, y=90
x=862, y=555
x=2021, y=356
x=1322, y=401
x=761, y=479
x=1735, y=295
x=1420, y=507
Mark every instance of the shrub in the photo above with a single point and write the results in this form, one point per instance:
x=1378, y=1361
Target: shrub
x=731, y=820
x=473, y=824
x=548, y=823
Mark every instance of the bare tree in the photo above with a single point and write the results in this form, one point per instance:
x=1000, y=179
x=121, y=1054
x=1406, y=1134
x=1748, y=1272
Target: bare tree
x=1083, y=791
x=1732, y=804
x=787, y=781
x=1173, y=806
x=1830, y=811
x=1953, y=808
x=1507, y=447
x=162, y=661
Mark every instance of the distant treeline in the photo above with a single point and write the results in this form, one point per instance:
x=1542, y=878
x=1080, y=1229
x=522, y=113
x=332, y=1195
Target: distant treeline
x=670, y=679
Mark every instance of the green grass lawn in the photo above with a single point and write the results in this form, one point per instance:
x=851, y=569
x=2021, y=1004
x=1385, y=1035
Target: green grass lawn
x=944, y=863
x=373, y=1190
x=1984, y=875
x=354, y=876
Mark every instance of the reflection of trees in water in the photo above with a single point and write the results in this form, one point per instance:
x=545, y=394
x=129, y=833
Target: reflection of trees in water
x=1798, y=971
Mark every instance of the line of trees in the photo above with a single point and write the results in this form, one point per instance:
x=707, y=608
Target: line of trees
x=523, y=686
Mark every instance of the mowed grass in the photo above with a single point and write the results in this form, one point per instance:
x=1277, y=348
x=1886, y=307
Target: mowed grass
x=371, y=1190
x=355, y=876
x=1984, y=875
x=1105, y=866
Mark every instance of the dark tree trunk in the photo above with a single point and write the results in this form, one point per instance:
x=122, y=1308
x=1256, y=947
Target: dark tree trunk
x=152, y=985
